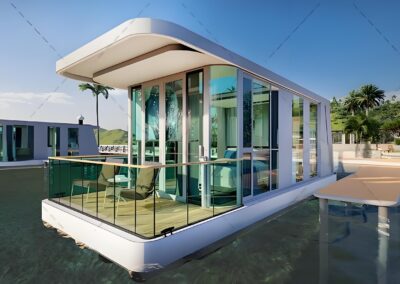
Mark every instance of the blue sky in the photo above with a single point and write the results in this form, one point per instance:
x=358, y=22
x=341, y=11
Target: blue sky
x=334, y=50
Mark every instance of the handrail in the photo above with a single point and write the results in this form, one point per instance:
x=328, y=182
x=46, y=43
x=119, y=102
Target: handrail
x=158, y=166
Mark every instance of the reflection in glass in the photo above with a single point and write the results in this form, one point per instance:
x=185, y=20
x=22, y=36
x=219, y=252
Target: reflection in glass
x=261, y=115
x=73, y=135
x=261, y=172
x=173, y=134
x=1, y=144
x=313, y=140
x=223, y=111
x=194, y=105
x=297, y=138
x=246, y=174
x=247, y=112
x=53, y=140
x=151, y=96
x=136, y=112
x=274, y=169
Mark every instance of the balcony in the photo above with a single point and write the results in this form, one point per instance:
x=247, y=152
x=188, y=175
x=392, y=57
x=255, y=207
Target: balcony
x=146, y=200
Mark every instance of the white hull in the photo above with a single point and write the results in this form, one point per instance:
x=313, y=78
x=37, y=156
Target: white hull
x=140, y=255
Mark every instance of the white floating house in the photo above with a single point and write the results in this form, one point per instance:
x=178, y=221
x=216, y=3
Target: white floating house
x=216, y=143
x=32, y=142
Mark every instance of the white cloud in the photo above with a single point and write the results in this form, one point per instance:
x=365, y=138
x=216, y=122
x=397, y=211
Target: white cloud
x=9, y=99
x=118, y=92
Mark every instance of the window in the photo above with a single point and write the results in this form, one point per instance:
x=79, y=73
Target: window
x=151, y=97
x=261, y=115
x=1, y=144
x=247, y=113
x=136, y=124
x=173, y=136
x=73, y=138
x=297, y=139
x=223, y=111
x=53, y=140
x=313, y=140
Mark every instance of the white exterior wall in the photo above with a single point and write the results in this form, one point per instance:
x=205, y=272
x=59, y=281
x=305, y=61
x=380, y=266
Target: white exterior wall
x=285, y=139
x=324, y=140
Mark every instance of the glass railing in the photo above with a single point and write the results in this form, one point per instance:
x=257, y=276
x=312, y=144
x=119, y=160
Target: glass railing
x=148, y=200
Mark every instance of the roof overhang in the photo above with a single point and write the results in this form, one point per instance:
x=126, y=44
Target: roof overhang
x=143, y=49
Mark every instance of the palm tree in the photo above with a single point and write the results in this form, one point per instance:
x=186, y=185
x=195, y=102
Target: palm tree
x=352, y=102
x=96, y=91
x=370, y=96
x=354, y=125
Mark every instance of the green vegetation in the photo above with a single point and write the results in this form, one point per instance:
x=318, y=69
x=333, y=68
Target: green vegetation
x=113, y=137
x=96, y=91
x=366, y=114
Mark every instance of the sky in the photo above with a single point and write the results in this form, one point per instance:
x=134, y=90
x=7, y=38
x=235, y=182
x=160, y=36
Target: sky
x=329, y=47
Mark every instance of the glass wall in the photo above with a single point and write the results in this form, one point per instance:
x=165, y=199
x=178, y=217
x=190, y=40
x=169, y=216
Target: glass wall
x=274, y=136
x=313, y=139
x=247, y=113
x=261, y=115
x=297, y=139
x=136, y=113
x=194, y=108
x=1, y=144
x=223, y=111
x=151, y=96
x=173, y=136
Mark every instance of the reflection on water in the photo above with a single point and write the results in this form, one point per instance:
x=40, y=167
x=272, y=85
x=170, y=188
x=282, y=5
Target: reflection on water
x=290, y=248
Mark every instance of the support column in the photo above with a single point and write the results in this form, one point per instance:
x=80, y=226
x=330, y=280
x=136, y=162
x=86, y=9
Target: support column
x=383, y=237
x=323, y=241
x=383, y=221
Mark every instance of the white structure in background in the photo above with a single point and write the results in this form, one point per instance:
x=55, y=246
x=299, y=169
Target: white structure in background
x=193, y=100
x=32, y=142
x=113, y=149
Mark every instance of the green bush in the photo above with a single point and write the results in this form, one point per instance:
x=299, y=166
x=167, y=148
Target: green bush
x=397, y=141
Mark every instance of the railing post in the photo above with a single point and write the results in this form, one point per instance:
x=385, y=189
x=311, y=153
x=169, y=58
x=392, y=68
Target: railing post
x=154, y=202
x=114, y=191
x=97, y=190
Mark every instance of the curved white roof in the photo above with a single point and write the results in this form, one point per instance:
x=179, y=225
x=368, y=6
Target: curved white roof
x=144, y=49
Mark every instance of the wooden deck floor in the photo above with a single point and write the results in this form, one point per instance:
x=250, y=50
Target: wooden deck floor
x=168, y=213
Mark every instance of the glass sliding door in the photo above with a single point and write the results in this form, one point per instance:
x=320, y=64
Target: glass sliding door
x=223, y=130
x=256, y=136
x=194, y=109
x=223, y=111
x=136, y=124
x=151, y=97
x=173, y=137
x=260, y=136
x=313, y=139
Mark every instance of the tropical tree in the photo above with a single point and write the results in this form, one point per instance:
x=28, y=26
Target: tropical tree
x=96, y=90
x=370, y=96
x=352, y=102
x=392, y=126
x=354, y=125
x=363, y=127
